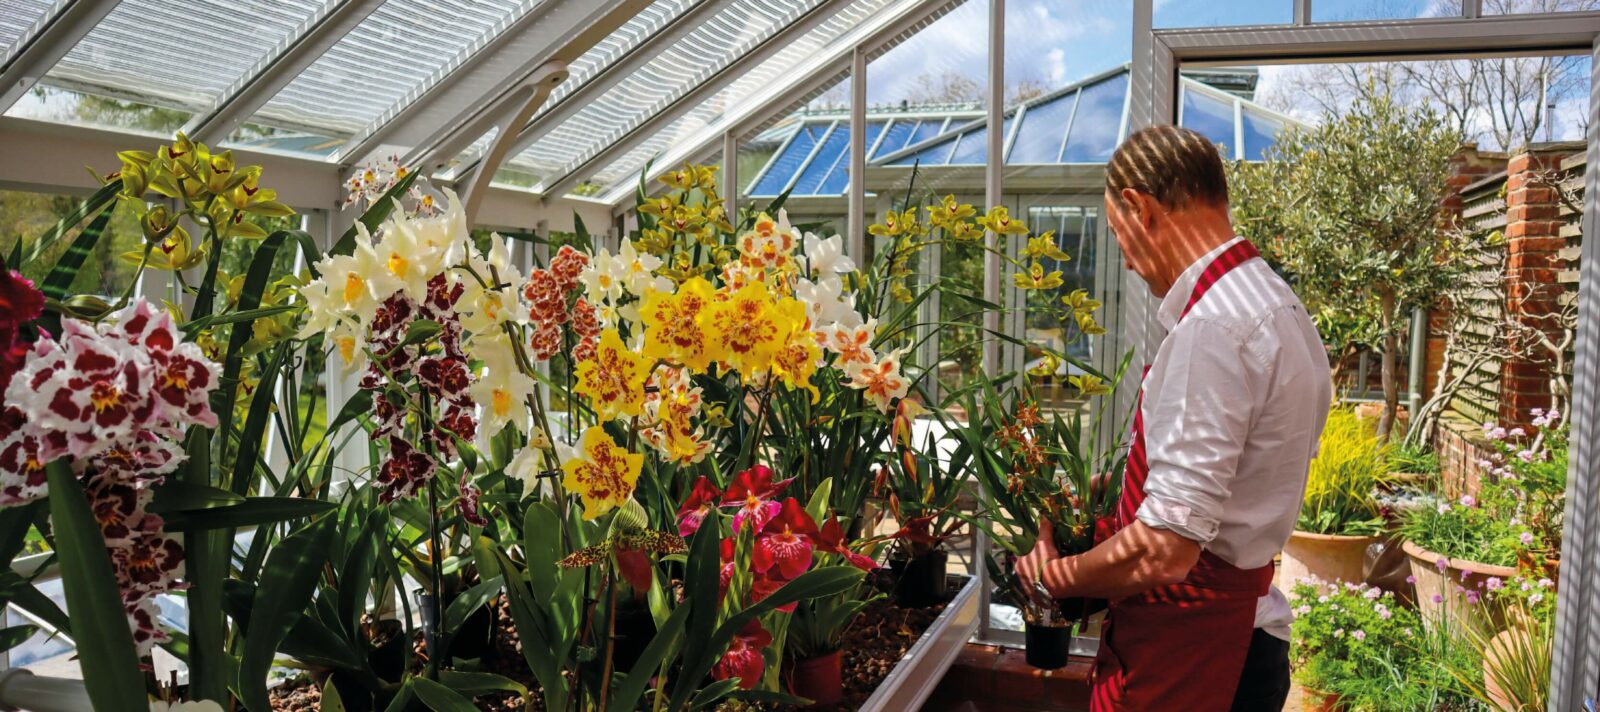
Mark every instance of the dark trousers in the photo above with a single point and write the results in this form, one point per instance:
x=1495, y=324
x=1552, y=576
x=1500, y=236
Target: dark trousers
x=1264, y=684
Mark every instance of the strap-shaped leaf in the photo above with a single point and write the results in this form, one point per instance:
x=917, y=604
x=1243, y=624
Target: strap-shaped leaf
x=440, y=698
x=66, y=269
x=665, y=641
x=255, y=283
x=101, y=197
x=480, y=683
x=252, y=511
x=255, y=424
x=468, y=602
x=287, y=582
x=110, y=663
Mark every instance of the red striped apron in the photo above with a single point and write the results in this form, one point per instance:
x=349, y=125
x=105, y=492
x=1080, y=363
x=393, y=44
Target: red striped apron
x=1177, y=647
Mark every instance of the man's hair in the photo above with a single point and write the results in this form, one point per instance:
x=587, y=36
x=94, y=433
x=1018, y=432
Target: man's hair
x=1174, y=165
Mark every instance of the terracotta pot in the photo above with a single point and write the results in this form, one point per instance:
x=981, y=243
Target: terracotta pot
x=1502, y=647
x=1437, y=593
x=1330, y=557
x=819, y=679
x=1318, y=701
x=1047, y=646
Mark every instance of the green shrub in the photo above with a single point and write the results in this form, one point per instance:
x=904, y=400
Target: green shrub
x=1350, y=465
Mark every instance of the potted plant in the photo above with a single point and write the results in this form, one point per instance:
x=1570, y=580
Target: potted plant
x=1512, y=522
x=1355, y=647
x=1057, y=468
x=1339, y=517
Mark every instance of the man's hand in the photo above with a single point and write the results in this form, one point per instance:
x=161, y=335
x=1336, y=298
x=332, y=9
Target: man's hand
x=1031, y=568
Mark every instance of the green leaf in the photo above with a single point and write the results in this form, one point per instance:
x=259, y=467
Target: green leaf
x=287, y=582
x=13, y=636
x=111, y=664
x=355, y=576
x=176, y=496
x=252, y=511
x=331, y=702
x=440, y=698
x=468, y=602
x=65, y=270
x=255, y=283
x=480, y=683
x=101, y=197
x=419, y=331
x=376, y=213
x=665, y=641
x=196, y=325
x=255, y=424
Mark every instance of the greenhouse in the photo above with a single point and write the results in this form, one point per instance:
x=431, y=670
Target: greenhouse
x=799, y=354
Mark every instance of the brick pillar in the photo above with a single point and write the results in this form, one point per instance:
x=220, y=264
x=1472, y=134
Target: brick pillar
x=1533, y=239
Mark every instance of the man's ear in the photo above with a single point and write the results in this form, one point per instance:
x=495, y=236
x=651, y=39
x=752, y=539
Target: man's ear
x=1145, y=209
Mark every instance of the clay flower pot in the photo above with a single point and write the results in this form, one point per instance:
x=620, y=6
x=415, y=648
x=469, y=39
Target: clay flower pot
x=819, y=679
x=1437, y=594
x=1330, y=557
x=1318, y=701
x=1047, y=646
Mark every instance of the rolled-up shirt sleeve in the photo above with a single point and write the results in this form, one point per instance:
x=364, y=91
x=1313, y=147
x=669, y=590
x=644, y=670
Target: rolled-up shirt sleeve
x=1198, y=411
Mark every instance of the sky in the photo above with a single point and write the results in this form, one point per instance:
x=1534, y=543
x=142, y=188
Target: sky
x=1051, y=43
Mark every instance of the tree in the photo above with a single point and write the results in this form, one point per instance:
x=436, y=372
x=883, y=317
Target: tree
x=1350, y=209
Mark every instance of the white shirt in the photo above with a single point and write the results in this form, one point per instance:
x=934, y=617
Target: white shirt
x=1233, y=408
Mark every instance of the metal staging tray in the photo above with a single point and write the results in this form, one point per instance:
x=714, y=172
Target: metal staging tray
x=912, y=680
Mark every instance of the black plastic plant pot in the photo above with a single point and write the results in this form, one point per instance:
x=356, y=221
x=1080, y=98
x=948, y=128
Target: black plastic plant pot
x=1047, y=646
x=922, y=581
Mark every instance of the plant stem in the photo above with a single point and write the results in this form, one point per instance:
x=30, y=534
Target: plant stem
x=611, y=639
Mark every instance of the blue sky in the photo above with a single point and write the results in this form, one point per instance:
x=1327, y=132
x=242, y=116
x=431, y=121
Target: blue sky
x=1055, y=42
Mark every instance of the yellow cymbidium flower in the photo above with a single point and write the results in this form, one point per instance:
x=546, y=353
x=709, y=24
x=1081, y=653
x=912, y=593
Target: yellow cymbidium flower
x=604, y=475
x=895, y=224
x=1036, y=278
x=949, y=213
x=1089, y=385
x=672, y=326
x=1080, y=303
x=999, y=221
x=1044, y=245
x=613, y=380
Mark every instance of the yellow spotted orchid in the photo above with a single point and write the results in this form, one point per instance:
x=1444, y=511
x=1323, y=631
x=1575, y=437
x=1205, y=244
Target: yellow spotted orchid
x=747, y=328
x=603, y=474
x=613, y=380
x=673, y=332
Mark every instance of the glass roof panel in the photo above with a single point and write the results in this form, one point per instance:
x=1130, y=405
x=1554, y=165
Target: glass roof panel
x=925, y=130
x=935, y=154
x=1098, y=122
x=839, y=178
x=1209, y=13
x=1211, y=117
x=830, y=36
x=974, y=146
x=1043, y=131
x=390, y=53
x=894, y=139
x=1260, y=132
x=16, y=18
x=794, y=155
x=719, y=41
x=834, y=146
x=152, y=52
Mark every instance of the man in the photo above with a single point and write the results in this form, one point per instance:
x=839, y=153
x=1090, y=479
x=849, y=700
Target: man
x=1230, y=413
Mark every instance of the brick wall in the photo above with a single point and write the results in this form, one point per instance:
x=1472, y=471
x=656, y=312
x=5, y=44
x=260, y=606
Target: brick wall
x=1460, y=445
x=1533, y=242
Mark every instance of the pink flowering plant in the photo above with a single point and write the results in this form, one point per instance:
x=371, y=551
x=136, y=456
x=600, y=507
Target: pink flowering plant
x=1372, y=651
x=1514, y=517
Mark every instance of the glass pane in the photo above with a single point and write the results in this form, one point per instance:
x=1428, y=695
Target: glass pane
x=390, y=53
x=1209, y=116
x=894, y=139
x=937, y=154
x=834, y=146
x=839, y=178
x=17, y=17
x=1043, y=131
x=926, y=129
x=1097, y=126
x=1518, y=7
x=26, y=216
x=1260, y=131
x=1208, y=13
x=730, y=34
x=832, y=38
x=793, y=158
x=1077, y=229
x=1349, y=10
x=178, y=55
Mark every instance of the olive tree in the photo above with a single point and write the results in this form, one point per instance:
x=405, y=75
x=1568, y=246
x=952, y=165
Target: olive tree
x=1350, y=209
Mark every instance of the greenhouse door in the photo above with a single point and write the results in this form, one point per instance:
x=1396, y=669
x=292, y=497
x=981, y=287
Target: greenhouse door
x=1159, y=54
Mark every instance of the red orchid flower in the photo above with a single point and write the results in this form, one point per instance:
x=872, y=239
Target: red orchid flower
x=831, y=540
x=702, y=499
x=762, y=584
x=743, y=659
x=786, y=541
x=753, y=492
